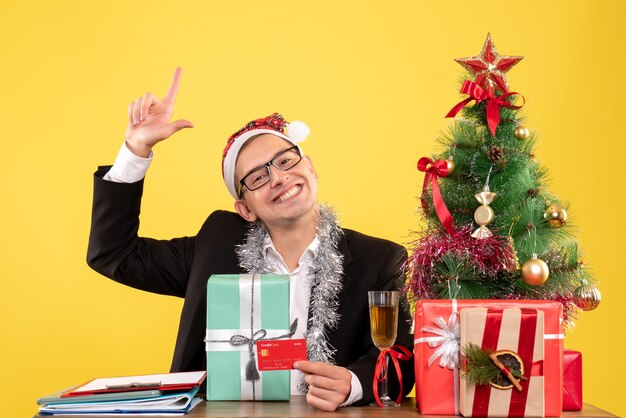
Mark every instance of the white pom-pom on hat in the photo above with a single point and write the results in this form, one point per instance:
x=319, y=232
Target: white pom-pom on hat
x=298, y=131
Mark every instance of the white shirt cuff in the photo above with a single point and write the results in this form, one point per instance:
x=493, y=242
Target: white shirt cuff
x=128, y=168
x=356, y=391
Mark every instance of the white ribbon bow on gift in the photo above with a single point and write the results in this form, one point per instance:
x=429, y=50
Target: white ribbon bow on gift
x=447, y=341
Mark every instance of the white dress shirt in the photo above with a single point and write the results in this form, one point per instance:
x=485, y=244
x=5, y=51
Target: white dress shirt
x=130, y=168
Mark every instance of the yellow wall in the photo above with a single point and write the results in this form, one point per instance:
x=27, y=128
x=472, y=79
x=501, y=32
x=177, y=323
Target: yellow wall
x=372, y=79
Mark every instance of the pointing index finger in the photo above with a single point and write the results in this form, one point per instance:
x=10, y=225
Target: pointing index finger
x=172, y=91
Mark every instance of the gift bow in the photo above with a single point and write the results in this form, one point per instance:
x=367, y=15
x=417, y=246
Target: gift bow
x=433, y=170
x=396, y=352
x=447, y=342
x=252, y=373
x=237, y=340
x=493, y=103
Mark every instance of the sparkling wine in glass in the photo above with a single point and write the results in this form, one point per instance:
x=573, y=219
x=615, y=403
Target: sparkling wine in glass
x=384, y=325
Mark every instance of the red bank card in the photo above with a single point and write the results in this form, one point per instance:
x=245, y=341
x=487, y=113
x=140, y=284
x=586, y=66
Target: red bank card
x=280, y=354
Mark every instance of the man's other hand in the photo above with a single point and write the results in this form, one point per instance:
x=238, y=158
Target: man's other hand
x=329, y=386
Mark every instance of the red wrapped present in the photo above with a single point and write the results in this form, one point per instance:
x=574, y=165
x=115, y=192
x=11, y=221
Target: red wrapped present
x=437, y=332
x=515, y=337
x=572, y=380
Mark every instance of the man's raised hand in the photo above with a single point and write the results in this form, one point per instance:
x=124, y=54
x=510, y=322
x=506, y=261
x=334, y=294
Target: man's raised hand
x=149, y=119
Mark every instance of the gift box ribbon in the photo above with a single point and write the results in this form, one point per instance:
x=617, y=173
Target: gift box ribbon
x=446, y=343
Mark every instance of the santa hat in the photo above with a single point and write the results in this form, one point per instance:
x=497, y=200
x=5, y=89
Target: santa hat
x=294, y=132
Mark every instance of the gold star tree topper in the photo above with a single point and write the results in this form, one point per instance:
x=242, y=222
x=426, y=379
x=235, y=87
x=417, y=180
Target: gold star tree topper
x=489, y=68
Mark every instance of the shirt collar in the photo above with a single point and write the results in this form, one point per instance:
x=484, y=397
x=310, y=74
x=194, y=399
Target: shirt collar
x=269, y=250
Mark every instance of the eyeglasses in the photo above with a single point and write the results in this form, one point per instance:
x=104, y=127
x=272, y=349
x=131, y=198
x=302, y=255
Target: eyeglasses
x=261, y=175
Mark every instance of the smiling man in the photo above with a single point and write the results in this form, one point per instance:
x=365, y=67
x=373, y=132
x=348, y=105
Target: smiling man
x=279, y=228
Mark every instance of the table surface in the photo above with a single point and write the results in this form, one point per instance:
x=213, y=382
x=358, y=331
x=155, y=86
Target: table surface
x=298, y=407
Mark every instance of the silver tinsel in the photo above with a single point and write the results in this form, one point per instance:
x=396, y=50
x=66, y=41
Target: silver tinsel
x=325, y=281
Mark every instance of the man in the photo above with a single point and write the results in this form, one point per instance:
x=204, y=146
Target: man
x=279, y=228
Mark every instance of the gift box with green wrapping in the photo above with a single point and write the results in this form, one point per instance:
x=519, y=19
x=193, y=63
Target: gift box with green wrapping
x=241, y=310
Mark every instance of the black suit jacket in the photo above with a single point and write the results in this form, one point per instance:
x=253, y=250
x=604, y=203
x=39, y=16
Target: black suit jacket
x=182, y=266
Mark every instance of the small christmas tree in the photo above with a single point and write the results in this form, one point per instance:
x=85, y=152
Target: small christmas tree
x=488, y=210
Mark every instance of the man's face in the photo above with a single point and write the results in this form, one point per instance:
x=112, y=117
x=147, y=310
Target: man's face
x=288, y=197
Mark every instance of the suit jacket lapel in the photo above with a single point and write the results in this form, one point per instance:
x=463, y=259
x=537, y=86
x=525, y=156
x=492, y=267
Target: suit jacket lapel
x=191, y=336
x=342, y=246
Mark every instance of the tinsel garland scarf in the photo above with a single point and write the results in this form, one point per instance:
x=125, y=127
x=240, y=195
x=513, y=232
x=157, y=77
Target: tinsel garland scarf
x=324, y=282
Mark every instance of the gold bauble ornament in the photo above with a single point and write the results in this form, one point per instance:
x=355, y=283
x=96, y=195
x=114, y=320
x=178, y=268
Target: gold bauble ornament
x=535, y=271
x=555, y=215
x=521, y=133
x=587, y=297
x=451, y=166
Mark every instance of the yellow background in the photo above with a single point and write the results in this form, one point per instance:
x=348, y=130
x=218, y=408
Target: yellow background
x=372, y=79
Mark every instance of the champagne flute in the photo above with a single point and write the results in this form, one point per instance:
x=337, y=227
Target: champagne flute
x=383, y=306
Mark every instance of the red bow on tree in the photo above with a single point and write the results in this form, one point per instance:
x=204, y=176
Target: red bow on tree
x=493, y=104
x=434, y=170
